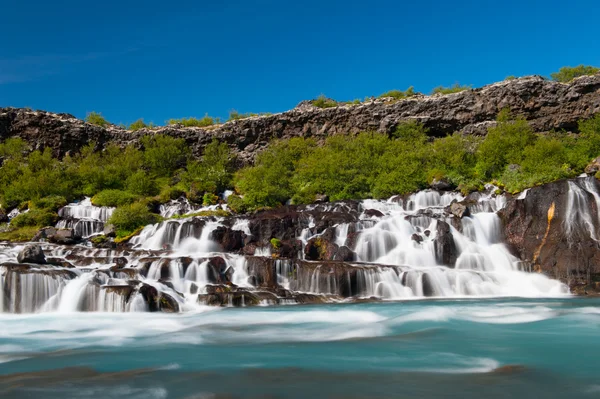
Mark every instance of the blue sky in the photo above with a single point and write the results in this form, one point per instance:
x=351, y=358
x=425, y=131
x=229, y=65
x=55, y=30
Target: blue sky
x=158, y=60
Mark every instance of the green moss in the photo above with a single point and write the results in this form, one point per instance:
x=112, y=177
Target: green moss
x=99, y=239
x=124, y=236
x=215, y=213
x=275, y=243
x=21, y=234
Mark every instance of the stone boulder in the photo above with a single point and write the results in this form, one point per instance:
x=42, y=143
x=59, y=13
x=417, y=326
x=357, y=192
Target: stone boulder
x=319, y=248
x=32, y=254
x=458, y=209
x=230, y=240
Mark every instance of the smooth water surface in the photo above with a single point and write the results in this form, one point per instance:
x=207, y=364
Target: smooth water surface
x=436, y=348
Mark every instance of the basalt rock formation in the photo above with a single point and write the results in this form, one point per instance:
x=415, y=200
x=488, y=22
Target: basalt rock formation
x=545, y=104
x=554, y=228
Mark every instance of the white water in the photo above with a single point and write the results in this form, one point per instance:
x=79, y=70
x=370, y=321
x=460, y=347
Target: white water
x=399, y=256
x=86, y=219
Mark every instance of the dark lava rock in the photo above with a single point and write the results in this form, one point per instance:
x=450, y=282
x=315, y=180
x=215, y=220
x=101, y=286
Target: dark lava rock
x=319, y=248
x=373, y=213
x=345, y=254
x=417, y=238
x=535, y=229
x=230, y=240
x=32, y=254
x=442, y=184
x=158, y=301
x=446, y=252
x=546, y=105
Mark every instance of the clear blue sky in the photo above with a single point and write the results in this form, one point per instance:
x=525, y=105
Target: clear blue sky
x=168, y=59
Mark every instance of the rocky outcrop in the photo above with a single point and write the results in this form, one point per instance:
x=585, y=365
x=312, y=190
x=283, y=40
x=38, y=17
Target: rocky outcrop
x=32, y=254
x=545, y=104
x=554, y=229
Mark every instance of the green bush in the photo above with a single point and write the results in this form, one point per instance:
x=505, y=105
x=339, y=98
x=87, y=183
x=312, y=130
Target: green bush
x=324, y=102
x=51, y=203
x=128, y=218
x=164, y=154
x=234, y=115
x=35, y=218
x=209, y=199
x=455, y=88
x=141, y=184
x=113, y=198
x=510, y=77
x=140, y=124
x=398, y=94
x=96, y=118
x=194, y=122
x=567, y=74
x=503, y=145
x=236, y=204
x=213, y=173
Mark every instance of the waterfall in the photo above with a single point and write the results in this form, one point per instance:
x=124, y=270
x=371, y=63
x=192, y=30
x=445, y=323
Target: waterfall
x=577, y=214
x=83, y=217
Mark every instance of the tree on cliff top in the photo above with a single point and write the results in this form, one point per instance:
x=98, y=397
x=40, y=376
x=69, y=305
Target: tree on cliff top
x=567, y=74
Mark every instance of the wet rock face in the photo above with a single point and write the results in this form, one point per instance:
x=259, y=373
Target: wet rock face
x=547, y=105
x=552, y=229
x=445, y=248
x=32, y=254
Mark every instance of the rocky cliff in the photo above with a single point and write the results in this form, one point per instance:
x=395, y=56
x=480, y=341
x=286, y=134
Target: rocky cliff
x=545, y=104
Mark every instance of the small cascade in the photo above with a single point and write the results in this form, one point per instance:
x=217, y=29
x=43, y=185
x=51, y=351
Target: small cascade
x=83, y=217
x=191, y=235
x=578, y=215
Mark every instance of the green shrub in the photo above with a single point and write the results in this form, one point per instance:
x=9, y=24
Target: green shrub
x=113, y=198
x=503, y=145
x=209, y=199
x=324, y=102
x=35, y=218
x=236, y=204
x=398, y=94
x=194, y=122
x=275, y=243
x=141, y=184
x=213, y=173
x=128, y=218
x=169, y=193
x=140, y=124
x=455, y=88
x=234, y=115
x=96, y=118
x=51, y=203
x=567, y=74
x=164, y=154
x=510, y=77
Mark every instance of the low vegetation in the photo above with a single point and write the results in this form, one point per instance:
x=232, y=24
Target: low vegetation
x=567, y=74
x=398, y=94
x=455, y=88
x=375, y=165
x=195, y=122
x=324, y=102
x=96, y=118
x=140, y=124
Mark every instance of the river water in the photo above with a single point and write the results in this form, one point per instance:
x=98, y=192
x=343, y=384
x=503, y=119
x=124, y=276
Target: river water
x=427, y=348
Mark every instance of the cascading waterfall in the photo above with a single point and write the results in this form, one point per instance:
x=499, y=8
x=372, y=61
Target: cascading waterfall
x=408, y=240
x=406, y=248
x=83, y=217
